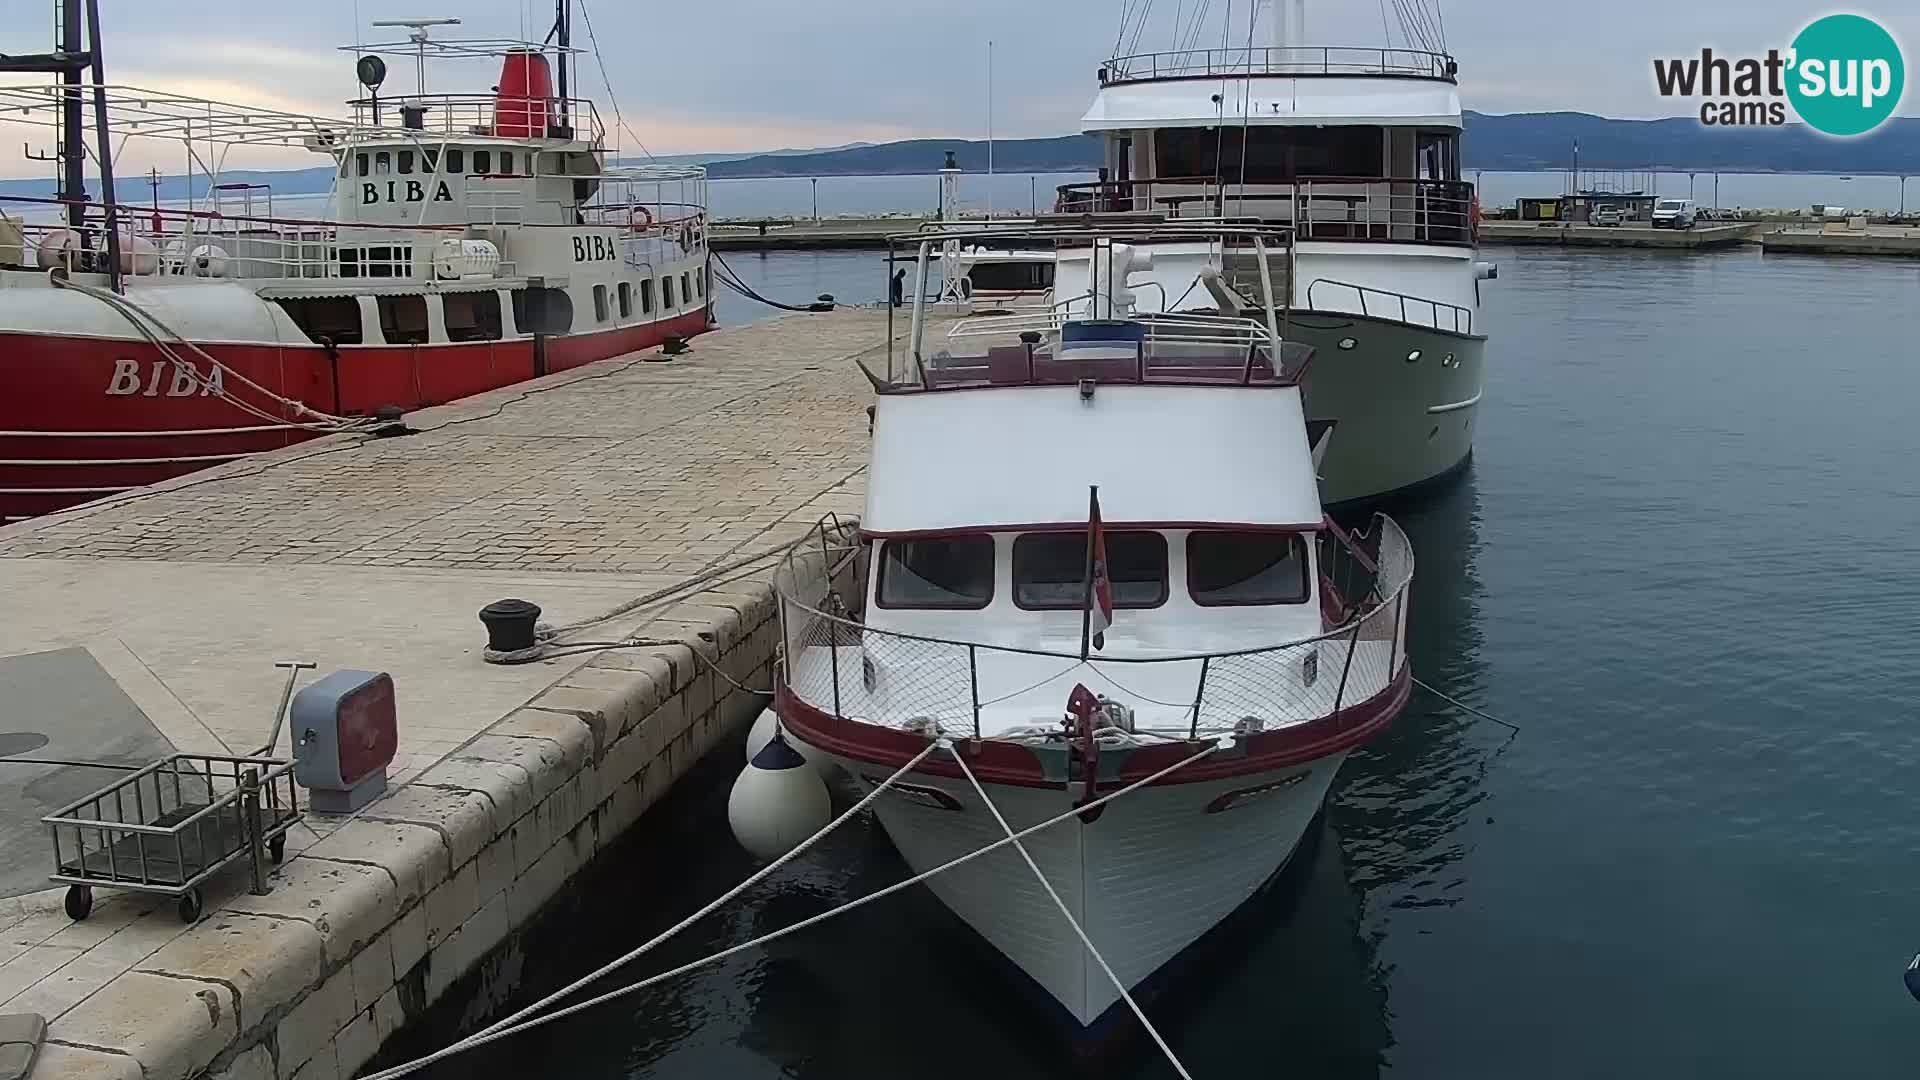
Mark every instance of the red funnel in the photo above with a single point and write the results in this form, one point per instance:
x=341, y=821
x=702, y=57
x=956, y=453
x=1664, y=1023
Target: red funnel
x=520, y=105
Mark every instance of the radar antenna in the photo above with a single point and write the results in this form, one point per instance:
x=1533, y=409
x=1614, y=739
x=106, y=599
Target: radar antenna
x=420, y=38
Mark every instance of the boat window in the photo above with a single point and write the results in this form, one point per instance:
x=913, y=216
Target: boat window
x=1229, y=568
x=937, y=572
x=429, y=160
x=599, y=303
x=506, y=162
x=686, y=289
x=403, y=319
x=482, y=162
x=700, y=282
x=542, y=311
x=1050, y=569
x=382, y=163
x=324, y=319
x=1272, y=154
x=472, y=316
x=456, y=161
x=626, y=300
x=646, y=297
x=360, y=163
x=406, y=162
x=666, y=292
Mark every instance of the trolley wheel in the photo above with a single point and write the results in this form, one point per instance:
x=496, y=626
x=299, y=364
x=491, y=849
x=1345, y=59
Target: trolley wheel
x=79, y=901
x=190, y=906
x=277, y=848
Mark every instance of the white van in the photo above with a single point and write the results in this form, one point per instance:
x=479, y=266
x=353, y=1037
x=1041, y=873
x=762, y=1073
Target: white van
x=1674, y=214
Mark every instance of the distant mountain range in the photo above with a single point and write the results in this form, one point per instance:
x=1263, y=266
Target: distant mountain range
x=1519, y=142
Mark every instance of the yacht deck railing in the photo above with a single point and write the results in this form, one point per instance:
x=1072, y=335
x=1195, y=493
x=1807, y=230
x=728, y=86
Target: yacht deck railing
x=1279, y=60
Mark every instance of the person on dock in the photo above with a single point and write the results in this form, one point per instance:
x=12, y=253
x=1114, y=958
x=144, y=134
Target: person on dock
x=899, y=287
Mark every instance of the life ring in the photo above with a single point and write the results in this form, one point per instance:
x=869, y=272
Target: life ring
x=645, y=214
x=685, y=235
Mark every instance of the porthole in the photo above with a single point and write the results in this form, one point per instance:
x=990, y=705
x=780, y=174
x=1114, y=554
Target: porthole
x=1413, y=357
x=1347, y=343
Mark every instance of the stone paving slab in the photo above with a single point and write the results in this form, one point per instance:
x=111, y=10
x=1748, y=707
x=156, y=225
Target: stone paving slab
x=580, y=492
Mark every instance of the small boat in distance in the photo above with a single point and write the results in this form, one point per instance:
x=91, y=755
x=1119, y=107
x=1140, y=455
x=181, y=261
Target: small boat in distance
x=474, y=240
x=1093, y=558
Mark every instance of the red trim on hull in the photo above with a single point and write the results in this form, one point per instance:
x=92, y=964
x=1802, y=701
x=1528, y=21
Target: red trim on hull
x=1013, y=765
x=65, y=439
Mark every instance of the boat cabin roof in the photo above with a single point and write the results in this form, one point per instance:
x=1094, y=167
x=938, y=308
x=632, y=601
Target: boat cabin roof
x=1190, y=456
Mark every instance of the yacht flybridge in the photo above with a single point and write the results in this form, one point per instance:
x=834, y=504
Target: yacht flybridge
x=475, y=240
x=1357, y=149
x=1094, y=554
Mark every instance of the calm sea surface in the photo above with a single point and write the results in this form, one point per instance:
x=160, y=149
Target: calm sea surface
x=1684, y=561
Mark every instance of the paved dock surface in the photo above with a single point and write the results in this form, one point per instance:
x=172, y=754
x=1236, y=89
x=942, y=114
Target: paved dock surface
x=1703, y=235
x=1822, y=240
x=578, y=492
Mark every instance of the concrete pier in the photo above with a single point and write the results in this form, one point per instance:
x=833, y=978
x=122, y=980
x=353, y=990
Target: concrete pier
x=579, y=492
x=1872, y=240
x=842, y=234
x=1701, y=236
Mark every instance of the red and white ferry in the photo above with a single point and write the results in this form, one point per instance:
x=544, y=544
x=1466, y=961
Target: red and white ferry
x=1249, y=644
x=474, y=241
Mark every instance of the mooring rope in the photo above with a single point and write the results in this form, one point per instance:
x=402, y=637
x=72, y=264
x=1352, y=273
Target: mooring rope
x=1078, y=930
x=508, y=1027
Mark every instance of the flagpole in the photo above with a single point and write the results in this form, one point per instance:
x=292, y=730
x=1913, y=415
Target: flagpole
x=1086, y=597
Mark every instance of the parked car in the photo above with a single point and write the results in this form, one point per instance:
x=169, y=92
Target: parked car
x=1674, y=214
x=1606, y=215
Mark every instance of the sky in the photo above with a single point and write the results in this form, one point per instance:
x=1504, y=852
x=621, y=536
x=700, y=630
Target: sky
x=745, y=75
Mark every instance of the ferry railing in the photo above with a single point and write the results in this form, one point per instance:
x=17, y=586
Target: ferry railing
x=1186, y=347
x=1381, y=209
x=1393, y=306
x=484, y=115
x=835, y=663
x=1279, y=60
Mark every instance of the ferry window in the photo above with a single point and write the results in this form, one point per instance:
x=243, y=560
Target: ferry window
x=666, y=292
x=506, y=162
x=1050, y=569
x=936, y=572
x=472, y=316
x=429, y=160
x=646, y=297
x=542, y=311
x=403, y=319
x=599, y=303
x=456, y=161
x=1226, y=568
x=360, y=163
x=1272, y=154
x=626, y=300
x=686, y=289
x=406, y=162
x=333, y=319
x=382, y=163
x=482, y=162
x=700, y=282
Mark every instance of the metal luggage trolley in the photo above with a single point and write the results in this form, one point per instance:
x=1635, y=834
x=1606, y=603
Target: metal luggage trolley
x=168, y=827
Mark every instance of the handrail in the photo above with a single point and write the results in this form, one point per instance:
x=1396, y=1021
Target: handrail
x=1374, y=208
x=1291, y=60
x=1455, y=310
x=913, y=680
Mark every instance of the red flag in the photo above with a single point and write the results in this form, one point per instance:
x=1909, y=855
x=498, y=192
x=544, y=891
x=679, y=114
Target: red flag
x=1099, y=599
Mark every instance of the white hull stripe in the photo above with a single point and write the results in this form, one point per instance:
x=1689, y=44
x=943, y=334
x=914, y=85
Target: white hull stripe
x=1455, y=406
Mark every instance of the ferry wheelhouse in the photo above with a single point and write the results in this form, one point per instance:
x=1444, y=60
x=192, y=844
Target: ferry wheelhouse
x=1092, y=554
x=1357, y=150
x=473, y=241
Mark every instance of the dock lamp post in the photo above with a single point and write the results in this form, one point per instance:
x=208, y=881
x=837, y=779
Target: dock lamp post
x=816, y=200
x=1903, y=196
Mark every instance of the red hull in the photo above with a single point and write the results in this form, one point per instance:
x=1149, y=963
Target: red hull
x=87, y=417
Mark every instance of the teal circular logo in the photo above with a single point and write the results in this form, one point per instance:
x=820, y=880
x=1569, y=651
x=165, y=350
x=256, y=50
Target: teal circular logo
x=1846, y=76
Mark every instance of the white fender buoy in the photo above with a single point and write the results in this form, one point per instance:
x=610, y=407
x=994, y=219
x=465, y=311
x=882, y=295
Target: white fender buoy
x=761, y=734
x=778, y=801
x=207, y=260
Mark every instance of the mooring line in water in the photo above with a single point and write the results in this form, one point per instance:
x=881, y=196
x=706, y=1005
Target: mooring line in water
x=1071, y=921
x=1481, y=713
x=501, y=1027
x=508, y=1027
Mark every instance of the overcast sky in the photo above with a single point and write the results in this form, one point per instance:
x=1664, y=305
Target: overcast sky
x=714, y=75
